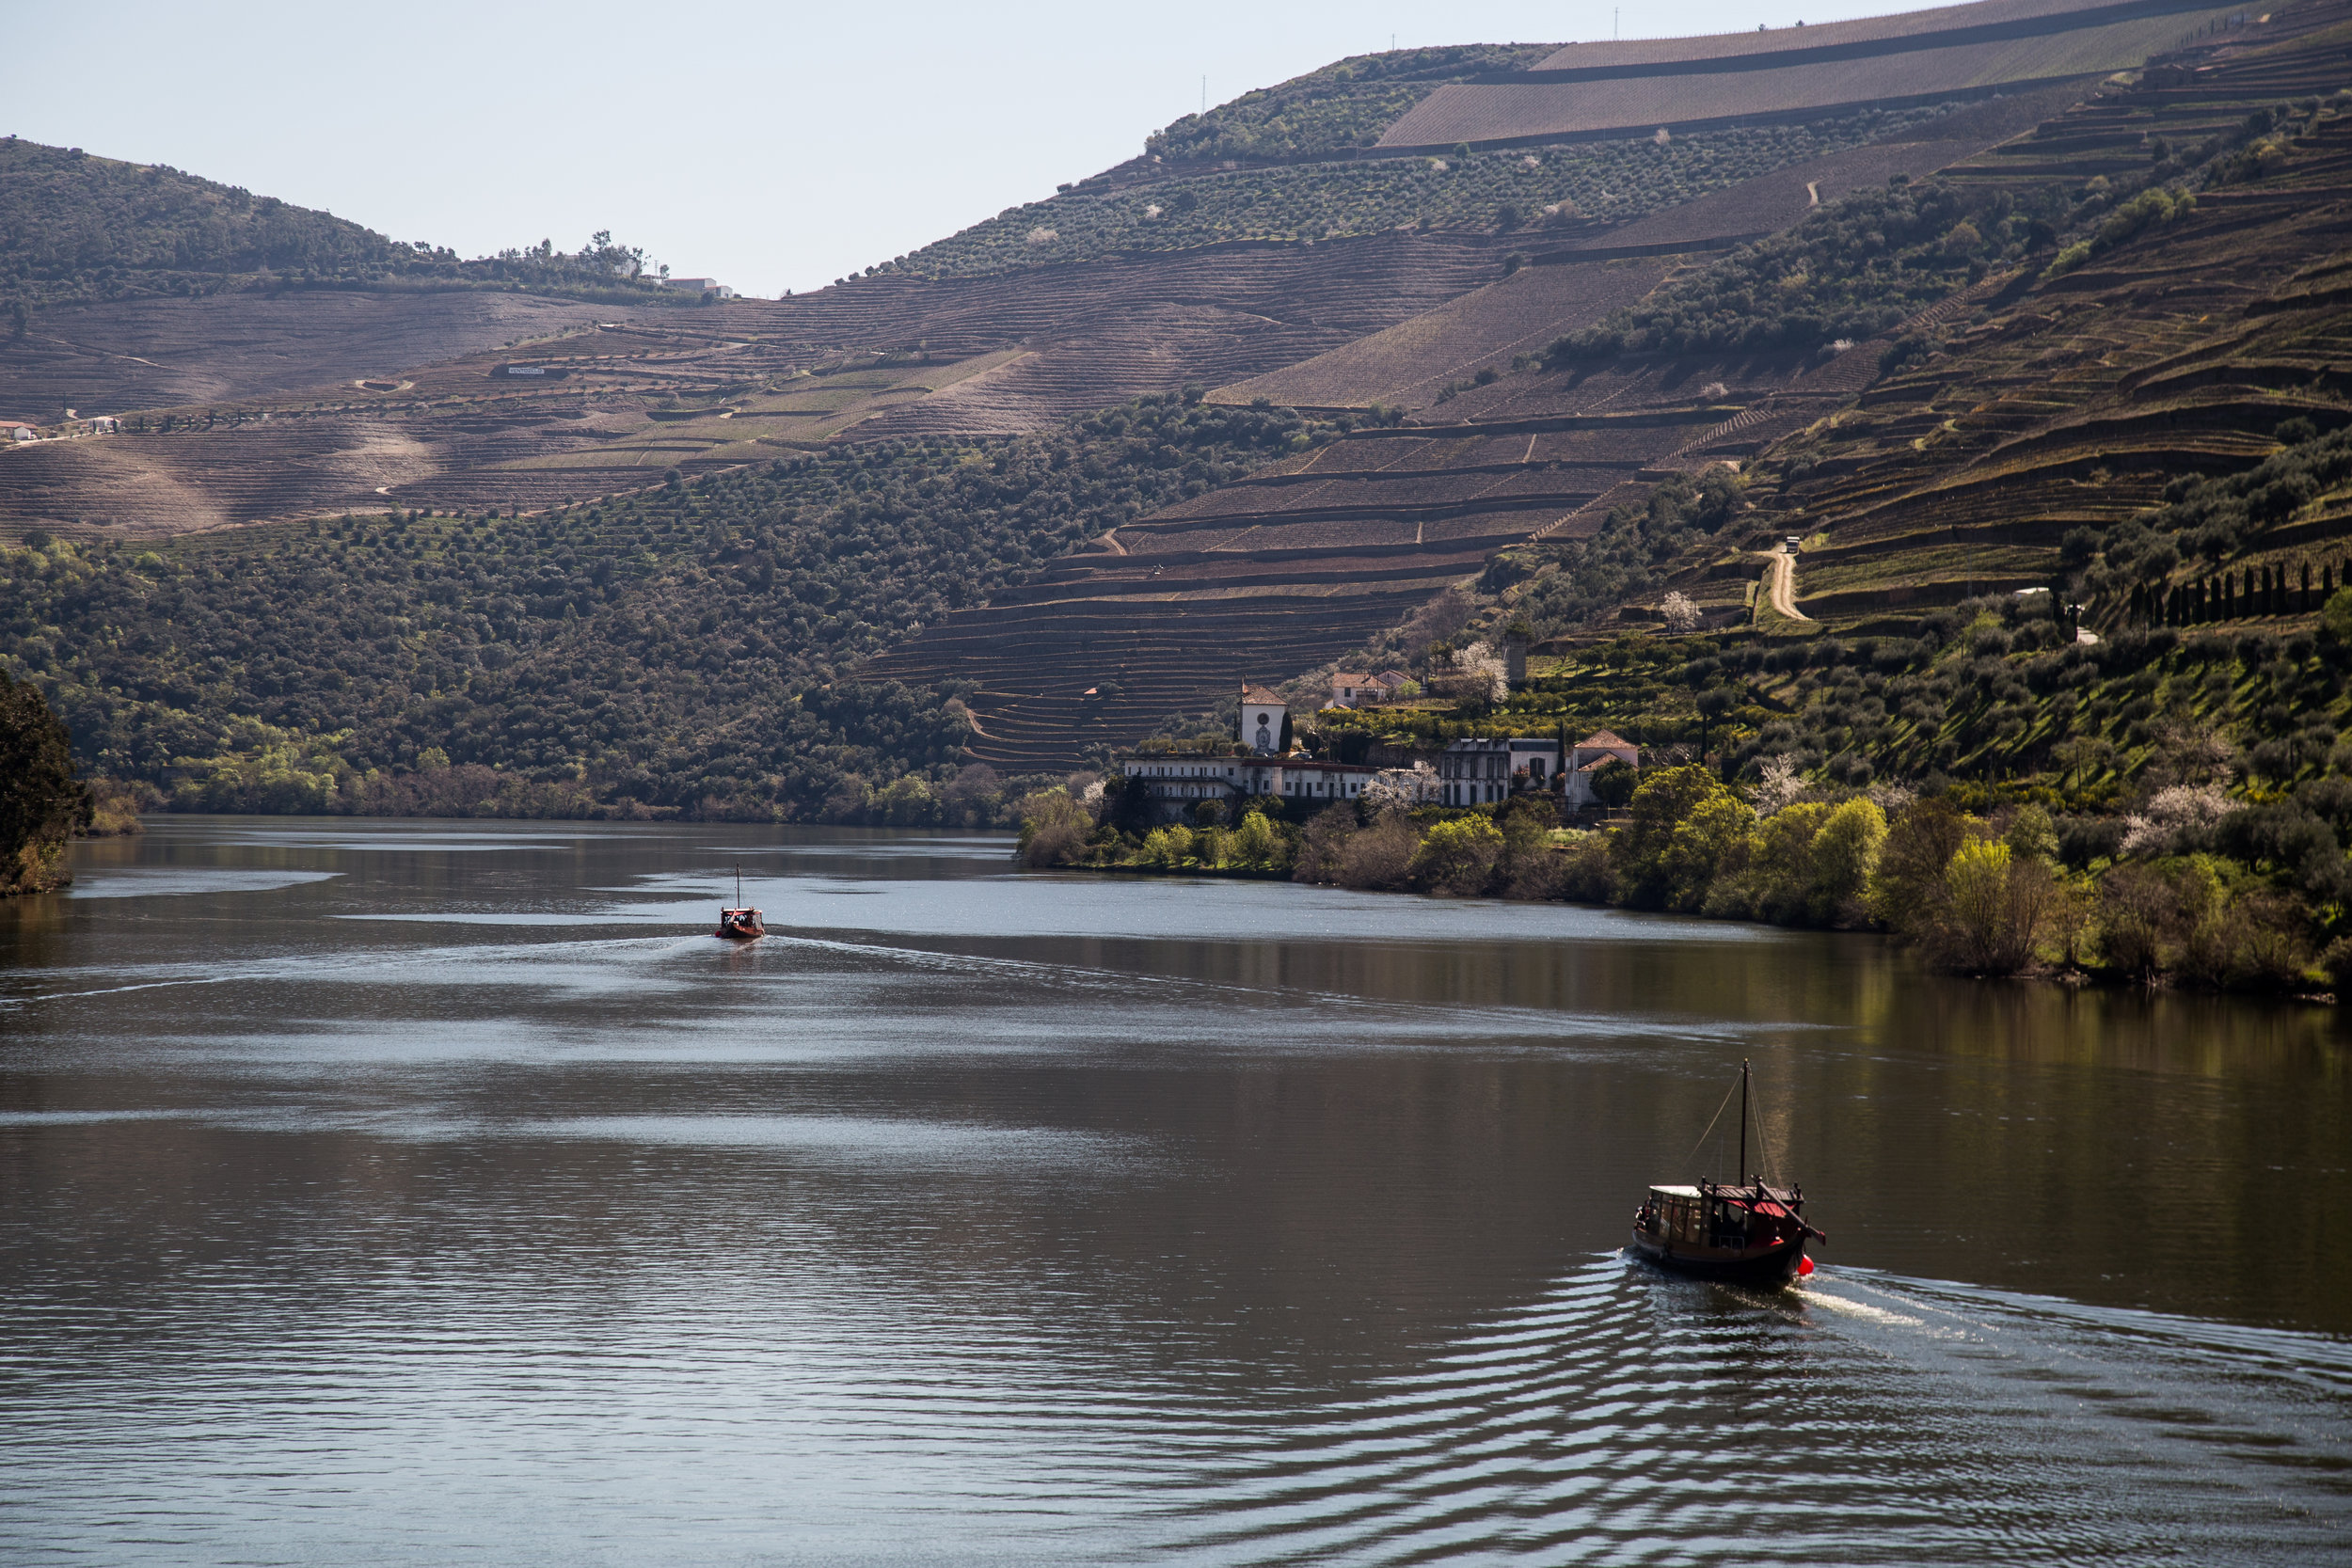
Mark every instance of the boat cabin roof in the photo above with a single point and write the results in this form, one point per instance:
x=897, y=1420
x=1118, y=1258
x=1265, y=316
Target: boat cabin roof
x=1673, y=1192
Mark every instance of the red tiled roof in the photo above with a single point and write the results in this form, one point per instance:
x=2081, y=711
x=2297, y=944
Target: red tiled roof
x=1256, y=696
x=1602, y=737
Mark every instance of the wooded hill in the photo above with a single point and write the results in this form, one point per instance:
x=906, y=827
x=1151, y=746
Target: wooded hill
x=1938, y=335
x=75, y=227
x=689, y=648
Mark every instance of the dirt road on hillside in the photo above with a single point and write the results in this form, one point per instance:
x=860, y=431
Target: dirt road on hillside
x=1781, y=583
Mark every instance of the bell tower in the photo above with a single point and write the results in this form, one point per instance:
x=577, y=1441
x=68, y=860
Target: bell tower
x=1262, y=716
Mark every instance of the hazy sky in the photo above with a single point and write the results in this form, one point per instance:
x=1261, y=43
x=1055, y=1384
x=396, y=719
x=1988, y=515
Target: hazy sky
x=772, y=147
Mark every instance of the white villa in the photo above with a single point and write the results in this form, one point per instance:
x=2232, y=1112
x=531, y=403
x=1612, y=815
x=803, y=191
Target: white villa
x=1588, y=756
x=1481, y=772
x=1178, y=784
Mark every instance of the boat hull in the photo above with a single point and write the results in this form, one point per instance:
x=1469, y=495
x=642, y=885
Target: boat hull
x=741, y=924
x=1776, y=1264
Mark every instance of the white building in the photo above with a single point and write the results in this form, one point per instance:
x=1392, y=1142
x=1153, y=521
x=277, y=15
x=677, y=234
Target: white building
x=1352, y=688
x=699, y=285
x=1262, y=716
x=20, y=433
x=1486, y=772
x=1589, y=756
x=1178, y=784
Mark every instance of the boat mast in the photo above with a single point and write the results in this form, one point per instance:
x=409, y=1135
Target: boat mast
x=1744, y=1122
x=739, y=903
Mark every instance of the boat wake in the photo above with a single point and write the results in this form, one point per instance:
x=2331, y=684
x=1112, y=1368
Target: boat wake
x=1628, y=1415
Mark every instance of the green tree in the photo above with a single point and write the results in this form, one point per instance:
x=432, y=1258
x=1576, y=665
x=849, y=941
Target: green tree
x=1459, y=857
x=1687, y=827
x=1845, y=856
x=1994, y=908
x=1919, y=845
x=41, y=801
x=1613, y=783
x=1054, y=829
x=1259, y=842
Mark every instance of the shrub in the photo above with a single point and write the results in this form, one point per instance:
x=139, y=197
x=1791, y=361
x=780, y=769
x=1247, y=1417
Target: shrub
x=2337, y=962
x=1167, y=846
x=1381, y=856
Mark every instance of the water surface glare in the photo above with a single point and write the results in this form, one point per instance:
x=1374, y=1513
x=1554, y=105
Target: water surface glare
x=414, y=1193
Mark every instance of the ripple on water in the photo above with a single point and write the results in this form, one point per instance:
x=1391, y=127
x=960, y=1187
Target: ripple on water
x=1630, y=1418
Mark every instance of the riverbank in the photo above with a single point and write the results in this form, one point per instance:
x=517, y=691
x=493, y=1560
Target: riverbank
x=2198, y=892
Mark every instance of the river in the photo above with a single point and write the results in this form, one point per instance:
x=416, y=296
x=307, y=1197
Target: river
x=429, y=1192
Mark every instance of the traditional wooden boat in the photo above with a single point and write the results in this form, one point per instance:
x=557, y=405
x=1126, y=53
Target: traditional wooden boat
x=741, y=924
x=1743, y=1230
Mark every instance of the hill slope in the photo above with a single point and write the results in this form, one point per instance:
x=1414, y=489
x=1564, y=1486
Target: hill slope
x=2018, y=374
x=75, y=227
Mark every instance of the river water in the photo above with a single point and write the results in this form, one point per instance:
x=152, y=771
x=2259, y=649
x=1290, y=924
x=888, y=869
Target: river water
x=423, y=1193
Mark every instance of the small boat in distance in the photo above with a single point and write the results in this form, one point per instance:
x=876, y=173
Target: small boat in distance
x=1738, y=1230
x=741, y=924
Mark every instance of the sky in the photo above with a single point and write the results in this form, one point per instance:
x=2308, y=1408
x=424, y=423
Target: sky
x=772, y=147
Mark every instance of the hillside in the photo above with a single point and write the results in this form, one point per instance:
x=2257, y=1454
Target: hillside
x=682, y=649
x=76, y=227
x=1518, y=453
x=704, y=389
x=1967, y=341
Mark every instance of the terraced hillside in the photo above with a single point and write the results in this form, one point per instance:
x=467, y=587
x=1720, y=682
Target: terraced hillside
x=2072, y=399
x=711, y=388
x=1313, y=559
x=1169, y=270
x=159, y=353
x=1307, y=561
x=1313, y=556
x=1412, y=364
x=1588, y=90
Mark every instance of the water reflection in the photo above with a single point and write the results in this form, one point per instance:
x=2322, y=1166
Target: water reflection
x=399, y=1192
